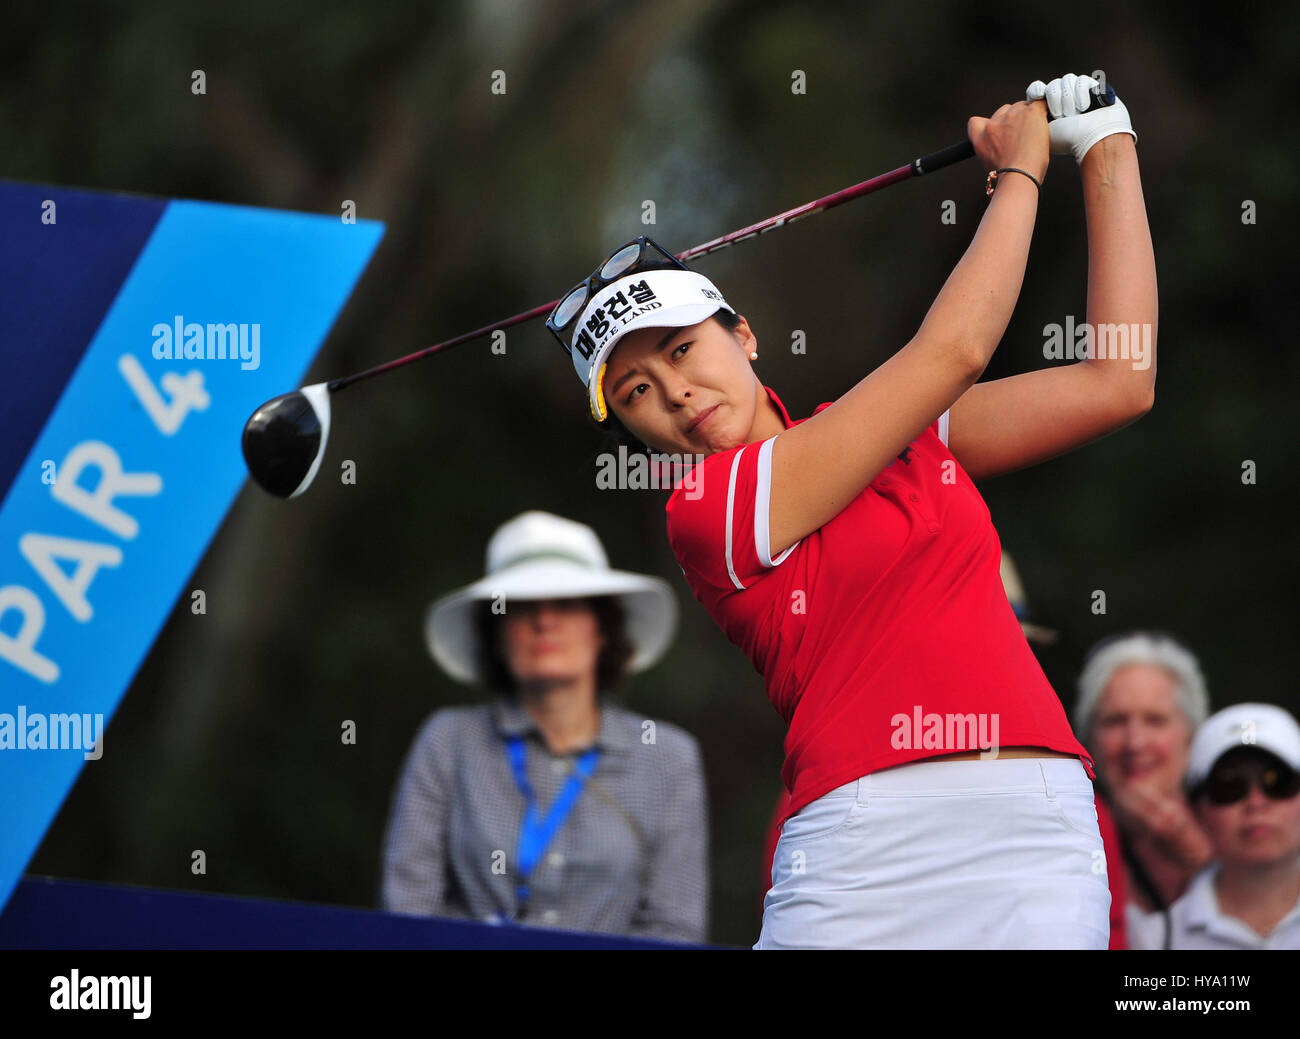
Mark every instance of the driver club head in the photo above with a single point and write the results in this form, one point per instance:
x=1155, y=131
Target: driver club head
x=284, y=440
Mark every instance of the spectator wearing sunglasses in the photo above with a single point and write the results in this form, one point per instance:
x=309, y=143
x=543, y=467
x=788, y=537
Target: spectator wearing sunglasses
x=1244, y=786
x=1141, y=698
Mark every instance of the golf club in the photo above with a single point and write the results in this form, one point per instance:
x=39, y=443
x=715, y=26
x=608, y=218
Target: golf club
x=284, y=439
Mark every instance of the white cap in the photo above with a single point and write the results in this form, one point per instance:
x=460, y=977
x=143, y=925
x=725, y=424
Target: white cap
x=1243, y=725
x=538, y=555
x=647, y=299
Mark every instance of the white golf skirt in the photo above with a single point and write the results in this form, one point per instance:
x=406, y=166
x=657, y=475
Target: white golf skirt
x=994, y=854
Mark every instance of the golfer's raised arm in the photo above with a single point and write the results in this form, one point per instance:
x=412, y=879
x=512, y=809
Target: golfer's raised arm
x=1007, y=424
x=820, y=465
x=1121, y=269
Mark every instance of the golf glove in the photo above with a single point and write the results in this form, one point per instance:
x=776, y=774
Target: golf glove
x=1072, y=129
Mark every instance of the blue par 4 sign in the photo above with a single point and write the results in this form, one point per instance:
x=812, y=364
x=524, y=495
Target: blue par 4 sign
x=136, y=337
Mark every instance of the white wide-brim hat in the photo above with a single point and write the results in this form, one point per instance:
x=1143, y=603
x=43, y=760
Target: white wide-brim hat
x=538, y=555
x=1257, y=725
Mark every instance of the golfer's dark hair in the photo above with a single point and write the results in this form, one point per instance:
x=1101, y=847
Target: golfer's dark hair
x=611, y=663
x=618, y=435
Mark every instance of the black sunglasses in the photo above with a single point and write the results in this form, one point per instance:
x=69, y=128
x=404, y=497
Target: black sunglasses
x=626, y=259
x=1228, y=784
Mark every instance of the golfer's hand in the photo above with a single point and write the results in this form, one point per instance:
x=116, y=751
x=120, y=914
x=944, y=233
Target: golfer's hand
x=1072, y=129
x=1017, y=136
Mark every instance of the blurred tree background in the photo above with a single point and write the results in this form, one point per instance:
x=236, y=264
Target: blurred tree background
x=228, y=739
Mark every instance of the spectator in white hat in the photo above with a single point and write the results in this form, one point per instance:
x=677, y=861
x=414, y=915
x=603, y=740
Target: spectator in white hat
x=551, y=805
x=1244, y=781
x=1141, y=698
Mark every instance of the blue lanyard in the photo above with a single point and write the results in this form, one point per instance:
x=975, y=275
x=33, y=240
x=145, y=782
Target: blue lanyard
x=536, y=833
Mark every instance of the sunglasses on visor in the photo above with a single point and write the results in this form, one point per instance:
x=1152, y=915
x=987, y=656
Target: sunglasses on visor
x=1229, y=784
x=626, y=259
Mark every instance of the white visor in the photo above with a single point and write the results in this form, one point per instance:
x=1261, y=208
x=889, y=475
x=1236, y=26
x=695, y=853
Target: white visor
x=648, y=299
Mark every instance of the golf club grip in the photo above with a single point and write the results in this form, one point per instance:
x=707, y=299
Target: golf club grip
x=943, y=157
x=965, y=150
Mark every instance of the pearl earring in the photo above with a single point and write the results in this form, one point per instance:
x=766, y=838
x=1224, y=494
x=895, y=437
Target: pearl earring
x=753, y=356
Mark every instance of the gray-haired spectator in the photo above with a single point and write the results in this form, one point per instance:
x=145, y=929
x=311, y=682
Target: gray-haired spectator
x=1244, y=785
x=1141, y=698
x=552, y=805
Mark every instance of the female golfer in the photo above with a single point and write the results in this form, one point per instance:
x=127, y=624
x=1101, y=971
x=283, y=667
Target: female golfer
x=551, y=806
x=938, y=797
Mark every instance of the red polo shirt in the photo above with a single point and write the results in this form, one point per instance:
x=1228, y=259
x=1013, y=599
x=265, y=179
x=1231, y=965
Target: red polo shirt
x=885, y=636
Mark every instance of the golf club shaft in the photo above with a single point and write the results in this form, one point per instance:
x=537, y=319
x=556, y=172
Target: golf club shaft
x=926, y=164
x=915, y=168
